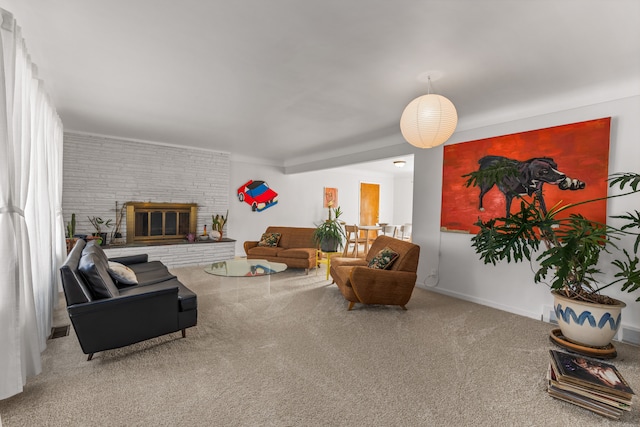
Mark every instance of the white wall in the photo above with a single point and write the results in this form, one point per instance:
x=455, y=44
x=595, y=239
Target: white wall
x=403, y=198
x=300, y=198
x=510, y=286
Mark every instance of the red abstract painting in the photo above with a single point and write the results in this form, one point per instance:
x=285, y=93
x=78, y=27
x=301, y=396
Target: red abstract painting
x=578, y=151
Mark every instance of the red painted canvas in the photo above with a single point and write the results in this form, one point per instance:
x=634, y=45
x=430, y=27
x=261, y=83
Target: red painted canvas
x=578, y=151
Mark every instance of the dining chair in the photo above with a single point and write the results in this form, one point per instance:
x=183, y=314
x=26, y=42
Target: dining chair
x=405, y=232
x=389, y=230
x=353, y=238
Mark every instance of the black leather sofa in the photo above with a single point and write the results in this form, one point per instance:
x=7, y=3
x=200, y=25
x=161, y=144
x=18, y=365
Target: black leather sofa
x=107, y=313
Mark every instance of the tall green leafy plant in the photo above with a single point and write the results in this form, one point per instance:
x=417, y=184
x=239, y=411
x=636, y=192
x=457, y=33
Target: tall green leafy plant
x=571, y=245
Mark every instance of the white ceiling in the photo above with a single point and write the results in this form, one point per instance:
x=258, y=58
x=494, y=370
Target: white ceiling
x=290, y=80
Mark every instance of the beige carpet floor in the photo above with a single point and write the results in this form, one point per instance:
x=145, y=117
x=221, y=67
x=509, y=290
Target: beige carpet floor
x=285, y=351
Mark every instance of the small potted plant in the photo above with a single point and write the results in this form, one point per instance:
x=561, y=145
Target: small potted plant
x=567, y=249
x=217, y=226
x=98, y=223
x=330, y=233
x=71, y=232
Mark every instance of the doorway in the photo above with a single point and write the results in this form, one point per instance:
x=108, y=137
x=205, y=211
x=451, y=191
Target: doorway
x=369, y=203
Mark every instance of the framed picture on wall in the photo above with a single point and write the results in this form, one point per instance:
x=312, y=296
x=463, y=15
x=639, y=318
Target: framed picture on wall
x=566, y=163
x=330, y=197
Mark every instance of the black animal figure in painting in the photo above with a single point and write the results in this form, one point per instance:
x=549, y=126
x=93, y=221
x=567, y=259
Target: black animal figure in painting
x=532, y=175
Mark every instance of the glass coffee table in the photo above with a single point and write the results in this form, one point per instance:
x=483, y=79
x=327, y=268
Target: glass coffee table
x=245, y=268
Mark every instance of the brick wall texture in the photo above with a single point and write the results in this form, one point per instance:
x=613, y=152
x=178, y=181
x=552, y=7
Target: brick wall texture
x=100, y=171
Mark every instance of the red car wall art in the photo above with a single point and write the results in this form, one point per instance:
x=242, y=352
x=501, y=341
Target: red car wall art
x=258, y=195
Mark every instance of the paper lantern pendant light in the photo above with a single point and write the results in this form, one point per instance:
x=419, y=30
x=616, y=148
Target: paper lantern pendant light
x=428, y=121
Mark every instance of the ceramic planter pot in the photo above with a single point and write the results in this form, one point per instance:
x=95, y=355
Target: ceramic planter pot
x=589, y=324
x=329, y=244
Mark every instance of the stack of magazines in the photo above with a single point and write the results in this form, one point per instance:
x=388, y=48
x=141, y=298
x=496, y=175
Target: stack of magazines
x=588, y=383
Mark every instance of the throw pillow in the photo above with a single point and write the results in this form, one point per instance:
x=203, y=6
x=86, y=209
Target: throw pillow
x=92, y=248
x=97, y=277
x=269, y=239
x=122, y=274
x=383, y=259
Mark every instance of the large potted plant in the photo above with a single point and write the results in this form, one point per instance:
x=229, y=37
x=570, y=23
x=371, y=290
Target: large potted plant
x=329, y=234
x=566, y=250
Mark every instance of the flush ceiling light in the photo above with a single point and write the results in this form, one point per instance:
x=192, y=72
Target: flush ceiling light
x=428, y=120
x=399, y=163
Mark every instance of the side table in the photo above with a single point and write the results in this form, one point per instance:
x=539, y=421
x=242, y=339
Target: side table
x=324, y=258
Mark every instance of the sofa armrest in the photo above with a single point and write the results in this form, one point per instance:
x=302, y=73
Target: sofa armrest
x=248, y=245
x=131, y=259
x=375, y=286
x=135, y=299
x=125, y=319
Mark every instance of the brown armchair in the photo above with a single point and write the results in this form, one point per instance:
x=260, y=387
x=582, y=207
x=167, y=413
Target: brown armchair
x=394, y=286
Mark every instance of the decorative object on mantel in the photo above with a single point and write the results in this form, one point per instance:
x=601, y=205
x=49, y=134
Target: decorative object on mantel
x=258, y=195
x=191, y=237
x=116, y=236
x=428, y=120
x=71, y=231
x=98, y=223
x=218, y=222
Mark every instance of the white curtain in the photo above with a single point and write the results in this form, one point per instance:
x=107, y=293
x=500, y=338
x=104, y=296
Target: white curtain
x=31, y=228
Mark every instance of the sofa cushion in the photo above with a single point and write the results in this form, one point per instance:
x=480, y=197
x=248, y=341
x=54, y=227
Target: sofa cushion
x=409, y=252
x=122, y=274
x=265, y=251
x=93, y=248
x=187, y=300
x=269, y=239
x=301, y=253
x=383, y=259
x=151, y=272
x=97, y=276
x=294, y=237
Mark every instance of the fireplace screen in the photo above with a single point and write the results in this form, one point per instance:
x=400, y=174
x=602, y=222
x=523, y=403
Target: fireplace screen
x=160, y=222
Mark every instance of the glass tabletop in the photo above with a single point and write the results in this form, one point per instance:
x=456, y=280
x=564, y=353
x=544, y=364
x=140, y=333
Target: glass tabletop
x=245, y=268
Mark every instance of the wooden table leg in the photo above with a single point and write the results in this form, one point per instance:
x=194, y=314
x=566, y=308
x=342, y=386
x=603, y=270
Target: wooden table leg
x=366, y=242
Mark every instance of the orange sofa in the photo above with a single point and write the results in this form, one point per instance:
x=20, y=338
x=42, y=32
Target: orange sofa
x=296, y=248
